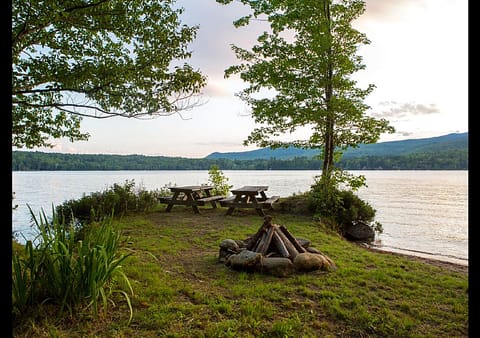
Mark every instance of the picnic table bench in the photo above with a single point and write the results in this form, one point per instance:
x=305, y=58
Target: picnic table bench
x=191, y=195
x=251, y=197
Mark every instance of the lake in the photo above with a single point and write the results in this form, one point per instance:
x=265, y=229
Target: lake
x=423, y=213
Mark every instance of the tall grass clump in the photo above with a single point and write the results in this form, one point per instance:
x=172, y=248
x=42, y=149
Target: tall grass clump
x=57, y=268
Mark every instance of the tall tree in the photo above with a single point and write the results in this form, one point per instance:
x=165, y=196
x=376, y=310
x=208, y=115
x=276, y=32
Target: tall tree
x=306, y=62
x=99, y=59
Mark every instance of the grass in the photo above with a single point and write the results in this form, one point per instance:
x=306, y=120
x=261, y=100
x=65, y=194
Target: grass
x=181, y=290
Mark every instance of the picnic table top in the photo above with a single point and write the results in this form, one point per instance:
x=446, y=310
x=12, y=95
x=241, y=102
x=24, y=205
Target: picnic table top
x=191, y=188
x=250, y=189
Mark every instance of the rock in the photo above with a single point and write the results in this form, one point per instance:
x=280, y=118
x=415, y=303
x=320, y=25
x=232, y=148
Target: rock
x=230, y=244
x=330, y=264
x=359, y=231
x=304, y=242
x=276, y=266
x=245, y=260
x=241, y=244
x=313, y=250
x=223, y=255
x=228, y=247
x=307, y=261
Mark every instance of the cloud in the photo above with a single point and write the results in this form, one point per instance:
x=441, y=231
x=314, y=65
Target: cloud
x=405, y=133
x=395, y=110
x=389, y=10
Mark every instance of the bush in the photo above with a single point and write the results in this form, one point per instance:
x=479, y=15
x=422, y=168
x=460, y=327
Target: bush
x=218, y=181
x=117, y=199
x=353, y=209
x=298, y=204
x=341, y=207
x=334, y=207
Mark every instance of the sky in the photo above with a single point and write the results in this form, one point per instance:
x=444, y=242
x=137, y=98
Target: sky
x=417, y=59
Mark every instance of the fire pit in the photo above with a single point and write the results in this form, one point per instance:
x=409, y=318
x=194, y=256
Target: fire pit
x=273, y=250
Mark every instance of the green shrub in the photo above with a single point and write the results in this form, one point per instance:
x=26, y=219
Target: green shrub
x=296, y=204
x=218, y=181
x=334, y=207
x=352, y=209
x=117, y=199
x=340, y=207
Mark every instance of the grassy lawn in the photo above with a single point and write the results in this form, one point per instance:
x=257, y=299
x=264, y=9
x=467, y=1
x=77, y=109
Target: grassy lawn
x=181, y=290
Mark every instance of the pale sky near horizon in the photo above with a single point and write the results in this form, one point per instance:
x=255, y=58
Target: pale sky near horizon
x=417, y=59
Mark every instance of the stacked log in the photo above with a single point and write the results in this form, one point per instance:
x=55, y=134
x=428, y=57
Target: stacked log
x=273, y=238
x=274, y=250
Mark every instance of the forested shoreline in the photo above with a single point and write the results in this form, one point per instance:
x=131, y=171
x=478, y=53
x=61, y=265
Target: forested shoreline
x=38, y=161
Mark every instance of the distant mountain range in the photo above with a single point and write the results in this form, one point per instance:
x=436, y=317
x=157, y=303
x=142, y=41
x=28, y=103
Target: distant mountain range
x=450, y=142
x=449, y=152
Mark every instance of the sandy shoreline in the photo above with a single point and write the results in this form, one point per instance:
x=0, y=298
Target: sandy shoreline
x=447, y=265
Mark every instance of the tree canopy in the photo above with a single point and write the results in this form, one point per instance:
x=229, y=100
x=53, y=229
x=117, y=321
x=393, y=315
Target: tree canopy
x=99, y=59
x=307, y=60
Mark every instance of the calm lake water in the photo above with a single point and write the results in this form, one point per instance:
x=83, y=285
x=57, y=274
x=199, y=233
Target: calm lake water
x=423, y=213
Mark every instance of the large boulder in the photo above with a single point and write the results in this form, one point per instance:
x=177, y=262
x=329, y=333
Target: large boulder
x=228, y=247
x=307, y=261
x=359, y=231
x=276, y=266
x=245, y=260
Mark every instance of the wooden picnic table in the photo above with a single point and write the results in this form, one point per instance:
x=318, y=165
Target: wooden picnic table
x=249, y=196
x=191, y=195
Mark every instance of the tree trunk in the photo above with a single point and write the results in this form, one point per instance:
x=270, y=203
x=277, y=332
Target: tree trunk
x=329, y=146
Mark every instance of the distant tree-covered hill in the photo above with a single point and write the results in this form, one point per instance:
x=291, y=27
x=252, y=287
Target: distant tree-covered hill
x=453, y=142
x=449, y=152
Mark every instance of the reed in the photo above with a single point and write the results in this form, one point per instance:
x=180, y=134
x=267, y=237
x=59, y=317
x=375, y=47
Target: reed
x=56, y=267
